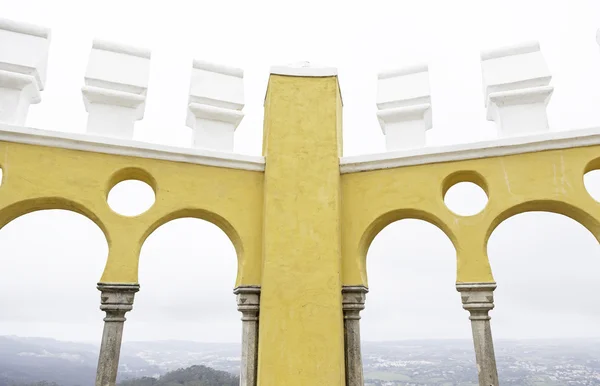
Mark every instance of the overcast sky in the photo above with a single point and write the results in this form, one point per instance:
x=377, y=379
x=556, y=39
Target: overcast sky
x=52, y=260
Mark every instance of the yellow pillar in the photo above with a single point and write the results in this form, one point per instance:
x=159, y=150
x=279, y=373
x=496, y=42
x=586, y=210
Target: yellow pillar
x=301, y=327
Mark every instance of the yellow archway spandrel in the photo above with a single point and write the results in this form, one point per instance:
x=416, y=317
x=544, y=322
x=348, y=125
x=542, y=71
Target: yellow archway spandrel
x=539, y=181
x=40, y=177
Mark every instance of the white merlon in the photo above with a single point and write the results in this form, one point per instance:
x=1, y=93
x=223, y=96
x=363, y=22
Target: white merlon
x=404, y=103
x=598, y=36
x=215, y=103
x=516, y=89
x=23, y=65
x=116, y=83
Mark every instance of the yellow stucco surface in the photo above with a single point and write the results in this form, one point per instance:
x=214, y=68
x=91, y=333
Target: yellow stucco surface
x=549, y=181
x=301, y=230
x=301, y=327
x=37, y=177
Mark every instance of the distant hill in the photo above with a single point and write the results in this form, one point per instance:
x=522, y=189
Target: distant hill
x=191, y=376
x=574, y=362
x=42, y=361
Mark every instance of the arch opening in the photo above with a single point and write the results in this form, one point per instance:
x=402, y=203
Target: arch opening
x=465, y=193
x=52, y=260
x=412, y=275
x=131, y=197
x=546, y=265
x=591, y=180
x=188, y=269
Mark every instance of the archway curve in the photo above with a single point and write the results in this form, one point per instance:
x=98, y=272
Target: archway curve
x=552, y=206
x=396, y=215
x=187, y=261
x=53, y=257
x=21, y=208
x=205, y=215
x=546, y=264
x=412, y=264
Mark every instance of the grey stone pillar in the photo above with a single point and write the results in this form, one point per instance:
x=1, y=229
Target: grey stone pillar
x=248, y=303
x=115, y=300
x=478, y=299
x=353, y=302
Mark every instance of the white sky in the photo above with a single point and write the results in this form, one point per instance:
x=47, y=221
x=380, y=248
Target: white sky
x=545, y=265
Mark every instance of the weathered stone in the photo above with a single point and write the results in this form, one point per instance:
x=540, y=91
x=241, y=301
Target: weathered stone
x=248, y=301
x=353, y=302
x=478, y=299
x=115, y=300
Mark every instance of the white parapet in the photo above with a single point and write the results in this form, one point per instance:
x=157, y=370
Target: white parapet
x=516, y=84
x=215, y=103
x=404, y=103
x=116, y=82
x=23, y=63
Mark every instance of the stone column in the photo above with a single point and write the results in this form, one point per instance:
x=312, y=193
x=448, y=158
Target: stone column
x=478, y=299
x=353, y=302
x=116, y=300
x=248, y=301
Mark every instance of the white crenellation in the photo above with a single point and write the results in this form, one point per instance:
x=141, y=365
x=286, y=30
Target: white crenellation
x=404, y=103
x=116, y=82
x=23, y=64
x=516, y=87
x=215, y=103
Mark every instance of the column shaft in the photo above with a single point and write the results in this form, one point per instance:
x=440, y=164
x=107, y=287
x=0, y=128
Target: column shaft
x=248, y=300
x=116, y=300
x=353, y=301
x=478, y=299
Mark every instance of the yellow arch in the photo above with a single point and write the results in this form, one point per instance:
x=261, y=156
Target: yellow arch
x=388, y=218
x=552, y=206
x=208, y=216
x=21, y=208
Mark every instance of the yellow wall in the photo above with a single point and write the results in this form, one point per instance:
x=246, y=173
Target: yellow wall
x=544, y=181
x=301, y=328
x=300, y=229
x=36, y=177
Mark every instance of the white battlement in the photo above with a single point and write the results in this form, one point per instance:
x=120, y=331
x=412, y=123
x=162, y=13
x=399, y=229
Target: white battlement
x=23, y=64
x=215, y=103
x=404, y=103
x=516, y=90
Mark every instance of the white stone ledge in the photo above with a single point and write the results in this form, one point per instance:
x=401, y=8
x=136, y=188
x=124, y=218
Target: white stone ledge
x=121, y=49
x=218, y=68
x=304, y=71
x=484, y=149
x=86, y=142
x=519, y=49
x=24, y=28
x=414, y=69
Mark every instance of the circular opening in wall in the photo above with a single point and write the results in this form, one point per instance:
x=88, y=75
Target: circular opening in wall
x=465, y=198
x=591, y=180
x=131, y=197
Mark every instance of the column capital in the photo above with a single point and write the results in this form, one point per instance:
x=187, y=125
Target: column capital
x=477, y=298
x=353, y=300
x=248, y=301
x=116, y=299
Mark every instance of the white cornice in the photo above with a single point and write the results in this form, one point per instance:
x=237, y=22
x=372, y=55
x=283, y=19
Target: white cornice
x=118, y=48
x=25, y=28
x=304, y=69
x=218, y=68
x=485, y=149
x=87, y=142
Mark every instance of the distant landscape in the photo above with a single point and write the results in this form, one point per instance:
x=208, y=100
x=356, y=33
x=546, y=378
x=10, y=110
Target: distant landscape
x=30, y=361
